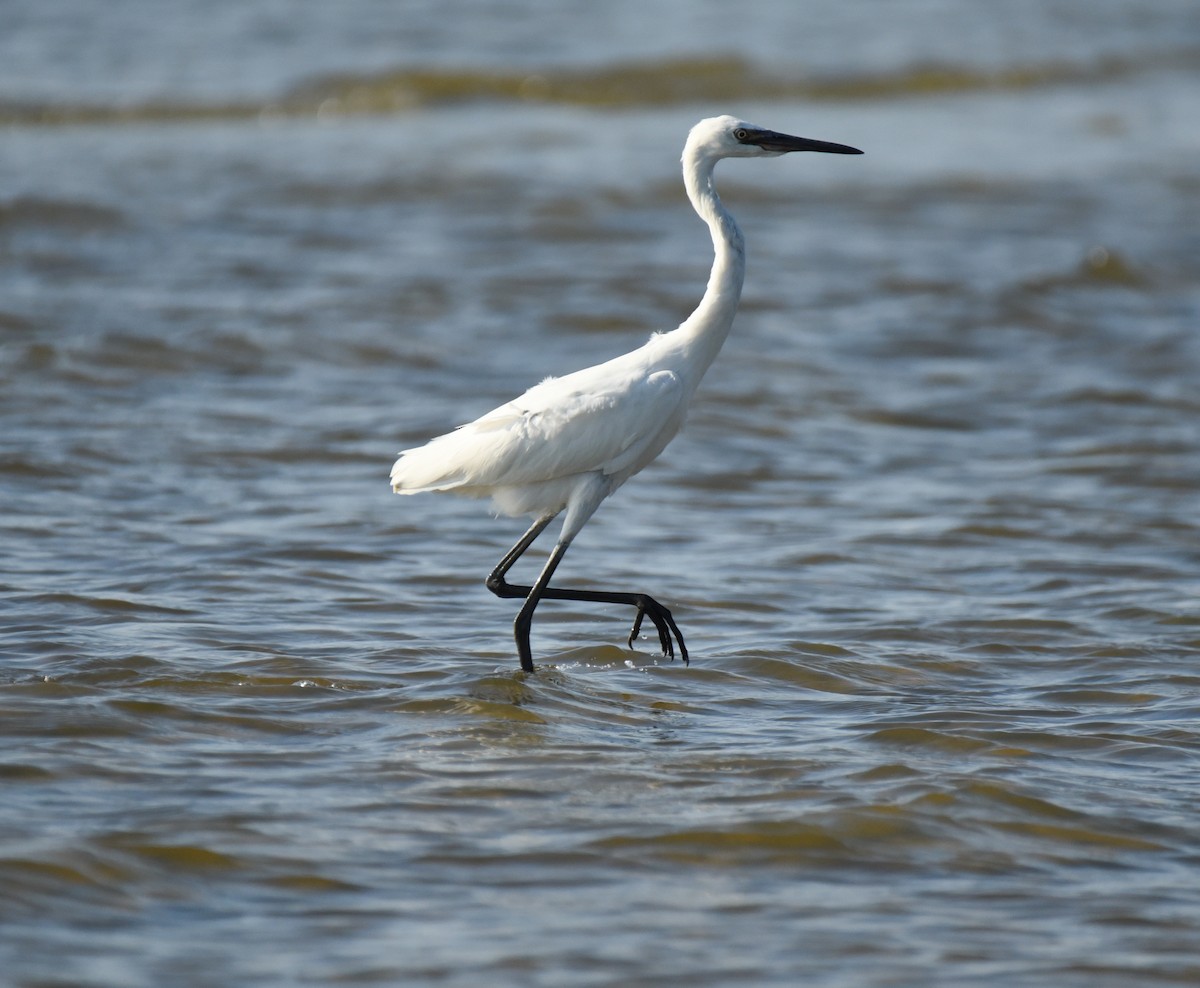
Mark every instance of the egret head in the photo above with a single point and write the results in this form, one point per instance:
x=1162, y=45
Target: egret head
x=729, y=137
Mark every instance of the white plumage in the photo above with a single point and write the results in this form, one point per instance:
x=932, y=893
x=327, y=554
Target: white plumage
x=571, y=441
x=609, y=420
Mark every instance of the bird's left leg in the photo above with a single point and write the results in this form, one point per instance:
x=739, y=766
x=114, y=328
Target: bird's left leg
x=646, y=605
x=662, y=620
x=495, y=581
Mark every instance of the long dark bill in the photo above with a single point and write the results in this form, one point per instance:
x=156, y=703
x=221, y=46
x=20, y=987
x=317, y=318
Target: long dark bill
x=770, y=140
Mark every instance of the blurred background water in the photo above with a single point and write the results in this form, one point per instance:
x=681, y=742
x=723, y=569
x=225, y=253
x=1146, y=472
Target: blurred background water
x=931, y=532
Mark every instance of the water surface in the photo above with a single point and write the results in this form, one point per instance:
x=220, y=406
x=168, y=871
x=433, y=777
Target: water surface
x=931, y=532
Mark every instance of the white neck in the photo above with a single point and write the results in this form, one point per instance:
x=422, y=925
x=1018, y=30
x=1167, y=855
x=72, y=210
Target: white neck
x=704, y=331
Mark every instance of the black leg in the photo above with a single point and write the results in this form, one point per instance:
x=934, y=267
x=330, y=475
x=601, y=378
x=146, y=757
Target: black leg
x=646, y=605
x=525, y=615
x=495, y=581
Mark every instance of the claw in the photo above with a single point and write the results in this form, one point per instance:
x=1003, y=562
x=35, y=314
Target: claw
x=637, y=624
x=663, y=623
x=664, y=636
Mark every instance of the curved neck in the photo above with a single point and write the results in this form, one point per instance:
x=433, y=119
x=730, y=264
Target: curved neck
x=706, y=328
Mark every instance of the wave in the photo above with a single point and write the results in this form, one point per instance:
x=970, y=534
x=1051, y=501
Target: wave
x=633, y=84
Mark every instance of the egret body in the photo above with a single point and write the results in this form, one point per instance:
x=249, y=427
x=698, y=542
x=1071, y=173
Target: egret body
x=566, y=444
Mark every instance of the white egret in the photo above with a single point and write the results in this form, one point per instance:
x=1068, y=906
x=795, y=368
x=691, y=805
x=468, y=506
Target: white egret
x=569, y=442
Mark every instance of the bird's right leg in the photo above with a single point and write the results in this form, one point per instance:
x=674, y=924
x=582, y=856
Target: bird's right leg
x=525, y=614
x=647, y=606
x=502, y=588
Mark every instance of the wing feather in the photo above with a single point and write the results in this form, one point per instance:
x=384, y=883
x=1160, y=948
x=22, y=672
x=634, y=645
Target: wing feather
x=603, y=418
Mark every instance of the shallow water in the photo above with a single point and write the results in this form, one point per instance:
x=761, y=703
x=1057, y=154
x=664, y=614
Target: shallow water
x=931, y=532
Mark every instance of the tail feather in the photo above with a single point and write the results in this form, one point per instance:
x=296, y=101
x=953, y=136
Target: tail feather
x=474, y=455
x=424, y=469
x=467, y=457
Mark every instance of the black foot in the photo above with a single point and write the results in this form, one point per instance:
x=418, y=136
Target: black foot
x=661, y=618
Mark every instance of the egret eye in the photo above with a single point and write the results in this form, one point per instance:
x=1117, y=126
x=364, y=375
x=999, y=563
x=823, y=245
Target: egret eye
x=741, y=133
